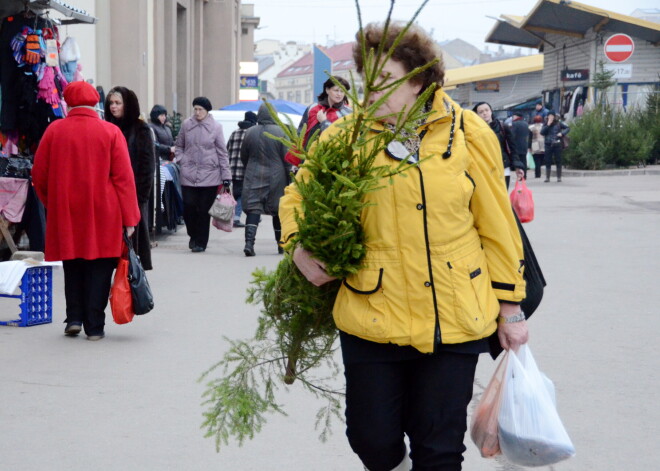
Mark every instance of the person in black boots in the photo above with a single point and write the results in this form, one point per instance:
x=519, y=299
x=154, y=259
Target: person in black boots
x=237, y=170
x=520, y=139
x=200, y=151
x=266, y=175
x=553, y=131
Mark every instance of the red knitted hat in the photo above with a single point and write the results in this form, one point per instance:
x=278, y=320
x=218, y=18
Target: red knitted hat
x=81, y=94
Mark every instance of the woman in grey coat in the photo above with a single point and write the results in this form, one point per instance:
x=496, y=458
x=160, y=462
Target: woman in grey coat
x=201, y=153
x=266, y=176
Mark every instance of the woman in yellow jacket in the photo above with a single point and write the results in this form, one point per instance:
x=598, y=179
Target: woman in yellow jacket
x=444, y=261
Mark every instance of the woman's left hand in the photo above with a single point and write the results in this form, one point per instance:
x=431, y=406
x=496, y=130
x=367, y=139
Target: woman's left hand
x=520, y=173
x=514, y=334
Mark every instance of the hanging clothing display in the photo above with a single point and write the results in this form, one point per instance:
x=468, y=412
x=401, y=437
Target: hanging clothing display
x=31, y=96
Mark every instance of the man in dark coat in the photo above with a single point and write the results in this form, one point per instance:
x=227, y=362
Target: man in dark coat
x=266, y=176
x=520, y=140
x=236, y=165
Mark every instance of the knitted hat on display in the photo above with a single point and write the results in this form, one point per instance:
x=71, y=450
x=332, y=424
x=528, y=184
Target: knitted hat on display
x=251, y=116
x=80, y=94
x=203, y=102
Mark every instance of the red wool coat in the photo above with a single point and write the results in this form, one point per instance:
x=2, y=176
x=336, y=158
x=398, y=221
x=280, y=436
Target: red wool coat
x=82, y=174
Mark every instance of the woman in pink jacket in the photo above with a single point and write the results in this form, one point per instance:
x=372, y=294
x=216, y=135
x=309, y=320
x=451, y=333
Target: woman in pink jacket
x=82, y=174
x=202, y=155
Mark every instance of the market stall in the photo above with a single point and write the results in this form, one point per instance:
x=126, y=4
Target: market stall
x=36, y=63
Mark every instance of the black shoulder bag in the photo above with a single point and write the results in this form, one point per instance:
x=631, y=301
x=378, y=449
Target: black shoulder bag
x=533, y=276
x=143, y=299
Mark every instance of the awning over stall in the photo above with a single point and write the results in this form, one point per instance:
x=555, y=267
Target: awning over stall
x=568, y=19
x=73, y=15
x=496, y=69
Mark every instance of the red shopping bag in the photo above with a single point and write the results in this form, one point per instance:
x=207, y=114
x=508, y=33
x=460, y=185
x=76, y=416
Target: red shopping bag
x=522, y=201
x=121, y=300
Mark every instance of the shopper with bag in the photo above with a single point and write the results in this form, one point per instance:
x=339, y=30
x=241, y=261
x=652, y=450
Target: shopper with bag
x=82, y=174
x=266, y=176
x=201, y=152
x=122, y=108
x=442, y=271
x=504, y=137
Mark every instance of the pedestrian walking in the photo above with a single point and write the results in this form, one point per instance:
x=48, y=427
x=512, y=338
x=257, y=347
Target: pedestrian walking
x=236, y=165
x=123, y=109
x=201, y=152
x=485, y=111
x=540, y=110
x=443, y=263
x=520, y=140
x=164, y=142
x=332, y=104
x=537, y=144
x=266, y=175
x=553, y=131
x=82, y=174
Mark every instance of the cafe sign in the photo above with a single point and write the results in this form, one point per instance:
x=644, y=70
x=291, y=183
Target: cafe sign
x=574, y=75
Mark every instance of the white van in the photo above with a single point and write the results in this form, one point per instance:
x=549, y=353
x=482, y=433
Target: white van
x=229, y=120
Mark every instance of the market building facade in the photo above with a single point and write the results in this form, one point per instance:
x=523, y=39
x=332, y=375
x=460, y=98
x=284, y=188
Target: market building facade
x=576, y=40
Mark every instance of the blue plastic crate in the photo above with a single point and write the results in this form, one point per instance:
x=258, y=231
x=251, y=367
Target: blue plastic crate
x=36, y=298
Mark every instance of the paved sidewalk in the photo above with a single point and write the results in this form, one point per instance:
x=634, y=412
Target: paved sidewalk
x=131, y=402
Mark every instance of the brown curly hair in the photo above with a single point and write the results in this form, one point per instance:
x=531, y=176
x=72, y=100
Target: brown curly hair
x=416, y=48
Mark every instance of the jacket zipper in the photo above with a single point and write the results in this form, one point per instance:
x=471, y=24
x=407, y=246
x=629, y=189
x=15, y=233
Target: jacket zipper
x=437, y=336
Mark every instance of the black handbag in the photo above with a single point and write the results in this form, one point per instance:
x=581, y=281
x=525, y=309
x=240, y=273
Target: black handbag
x=143, y=298
x=535, y=282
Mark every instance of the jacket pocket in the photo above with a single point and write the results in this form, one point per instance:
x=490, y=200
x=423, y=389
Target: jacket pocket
x=474, y=301
x=366, y=311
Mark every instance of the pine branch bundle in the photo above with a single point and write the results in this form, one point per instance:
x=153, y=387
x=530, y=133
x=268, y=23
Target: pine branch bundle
x=296, y=332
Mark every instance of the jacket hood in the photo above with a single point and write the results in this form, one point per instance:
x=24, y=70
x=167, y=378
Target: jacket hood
x=263, y=115
x=156, y=111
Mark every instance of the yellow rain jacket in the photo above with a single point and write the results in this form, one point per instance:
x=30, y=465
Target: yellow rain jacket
x=442, y=243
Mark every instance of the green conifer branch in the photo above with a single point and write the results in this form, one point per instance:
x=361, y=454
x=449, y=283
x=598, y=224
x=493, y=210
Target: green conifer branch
x=296, y=335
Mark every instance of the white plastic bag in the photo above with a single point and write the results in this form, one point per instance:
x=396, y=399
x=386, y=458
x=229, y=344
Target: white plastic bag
x=529, y=428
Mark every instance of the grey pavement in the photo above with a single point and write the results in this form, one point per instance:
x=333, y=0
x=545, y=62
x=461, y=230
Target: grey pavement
x=132, y=401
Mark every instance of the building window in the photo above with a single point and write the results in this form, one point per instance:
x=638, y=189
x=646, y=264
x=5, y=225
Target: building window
x=298, y=96
x=289, y=96
x=280, y=96
x=308, y=96
x=244, y=31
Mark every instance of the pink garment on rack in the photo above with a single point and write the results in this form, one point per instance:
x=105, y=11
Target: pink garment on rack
x=13, y=195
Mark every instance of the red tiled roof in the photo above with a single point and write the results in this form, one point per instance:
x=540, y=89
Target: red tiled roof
x=341, y=56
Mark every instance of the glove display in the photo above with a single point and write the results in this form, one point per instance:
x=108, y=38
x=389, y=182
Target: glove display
x=32, y=49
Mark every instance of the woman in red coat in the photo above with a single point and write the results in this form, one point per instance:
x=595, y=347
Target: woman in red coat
x=82, y=174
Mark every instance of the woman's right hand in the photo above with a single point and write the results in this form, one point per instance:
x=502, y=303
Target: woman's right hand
x=129, y=230
x=321, y=116
x=312, y=269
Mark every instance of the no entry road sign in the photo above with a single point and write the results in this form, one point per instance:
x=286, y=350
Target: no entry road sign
x=619, y=47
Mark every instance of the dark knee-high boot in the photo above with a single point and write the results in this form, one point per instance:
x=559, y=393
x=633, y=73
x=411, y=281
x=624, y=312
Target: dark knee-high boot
x=250, y=235
x=278, y=236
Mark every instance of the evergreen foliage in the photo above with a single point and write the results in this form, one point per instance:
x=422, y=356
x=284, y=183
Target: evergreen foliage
x=295, y=338
x=175, y=119
x=605, y=137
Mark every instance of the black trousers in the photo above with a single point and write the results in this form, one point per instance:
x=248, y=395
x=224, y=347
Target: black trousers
x=539, y=159
x=425, y=398
x=86, y=291
x=237, y=192
x=196, y=204
x=553, y=153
